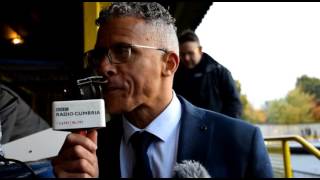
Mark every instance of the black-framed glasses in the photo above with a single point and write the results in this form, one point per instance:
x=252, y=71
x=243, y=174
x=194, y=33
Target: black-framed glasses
x=116, y=54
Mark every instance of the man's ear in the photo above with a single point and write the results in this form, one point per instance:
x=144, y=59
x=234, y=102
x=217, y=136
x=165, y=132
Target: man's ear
x=170, y=64
x=200, y=49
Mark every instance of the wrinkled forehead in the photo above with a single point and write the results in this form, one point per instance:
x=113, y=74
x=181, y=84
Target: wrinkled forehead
x=126, y=30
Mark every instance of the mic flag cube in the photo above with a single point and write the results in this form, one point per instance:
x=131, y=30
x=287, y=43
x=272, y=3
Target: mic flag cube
x=78, y=114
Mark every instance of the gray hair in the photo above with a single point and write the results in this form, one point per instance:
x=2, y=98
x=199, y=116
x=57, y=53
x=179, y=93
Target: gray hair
x=151, y=12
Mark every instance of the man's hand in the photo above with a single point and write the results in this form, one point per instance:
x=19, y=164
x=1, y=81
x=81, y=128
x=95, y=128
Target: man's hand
x=77, y=157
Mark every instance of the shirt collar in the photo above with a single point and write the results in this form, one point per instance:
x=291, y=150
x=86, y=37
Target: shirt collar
x=162, y=126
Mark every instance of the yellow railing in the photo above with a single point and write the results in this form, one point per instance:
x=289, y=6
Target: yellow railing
x=286, y=150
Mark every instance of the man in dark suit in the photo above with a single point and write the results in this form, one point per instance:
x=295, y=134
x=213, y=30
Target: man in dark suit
x=153, y=128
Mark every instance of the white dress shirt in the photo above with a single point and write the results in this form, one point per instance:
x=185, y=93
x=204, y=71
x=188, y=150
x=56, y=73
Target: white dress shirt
x=162, y=154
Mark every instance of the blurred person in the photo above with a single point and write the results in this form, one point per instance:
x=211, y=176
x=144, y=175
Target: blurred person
x=152, y=128
x=17, y=118
x=203, y=81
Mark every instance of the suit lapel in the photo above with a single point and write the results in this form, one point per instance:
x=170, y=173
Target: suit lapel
x=195, y=141
x=195, y=134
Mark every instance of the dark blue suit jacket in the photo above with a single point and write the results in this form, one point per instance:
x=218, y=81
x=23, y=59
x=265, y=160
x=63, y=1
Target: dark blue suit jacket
x=225, y=146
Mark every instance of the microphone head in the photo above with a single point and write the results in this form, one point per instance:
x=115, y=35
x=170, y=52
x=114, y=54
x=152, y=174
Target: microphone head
x=190, y=169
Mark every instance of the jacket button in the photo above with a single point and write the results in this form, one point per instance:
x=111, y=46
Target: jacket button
x=203, y=128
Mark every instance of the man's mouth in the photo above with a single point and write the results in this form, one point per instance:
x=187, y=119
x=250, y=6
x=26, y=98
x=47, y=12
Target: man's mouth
x=109, y=85
x=103, y=81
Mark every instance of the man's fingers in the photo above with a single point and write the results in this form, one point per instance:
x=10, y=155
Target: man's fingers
x=93, y=135
x=77, y=139
x=78, y=152
x=80, y=166
x=77, y=157
x=60, y=173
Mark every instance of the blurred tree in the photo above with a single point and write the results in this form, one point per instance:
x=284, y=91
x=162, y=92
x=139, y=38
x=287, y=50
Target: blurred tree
x=296, y=107
x=249, y=113
x=316, y=111
x=309, y=85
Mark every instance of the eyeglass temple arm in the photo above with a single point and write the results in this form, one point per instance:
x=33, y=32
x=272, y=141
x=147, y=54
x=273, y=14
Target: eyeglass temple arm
x=150, y=47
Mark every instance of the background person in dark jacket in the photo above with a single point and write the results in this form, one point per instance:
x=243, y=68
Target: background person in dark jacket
x=203, y=81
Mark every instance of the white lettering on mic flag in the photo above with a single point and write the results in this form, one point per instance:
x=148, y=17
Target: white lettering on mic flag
x=78, y=114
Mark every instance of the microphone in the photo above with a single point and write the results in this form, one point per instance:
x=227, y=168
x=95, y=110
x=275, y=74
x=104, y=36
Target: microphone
x=80, y=115
x=190, y=169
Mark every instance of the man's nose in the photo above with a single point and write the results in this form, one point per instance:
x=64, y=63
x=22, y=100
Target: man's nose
x=107, y=69
x=186, y=58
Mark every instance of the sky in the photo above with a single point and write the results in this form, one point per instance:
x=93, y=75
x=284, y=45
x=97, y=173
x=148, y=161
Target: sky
x=265, y=45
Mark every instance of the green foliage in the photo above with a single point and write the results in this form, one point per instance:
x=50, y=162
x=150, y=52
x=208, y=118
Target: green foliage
x=301, y=105
x=309, y=85
x=296, y=107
